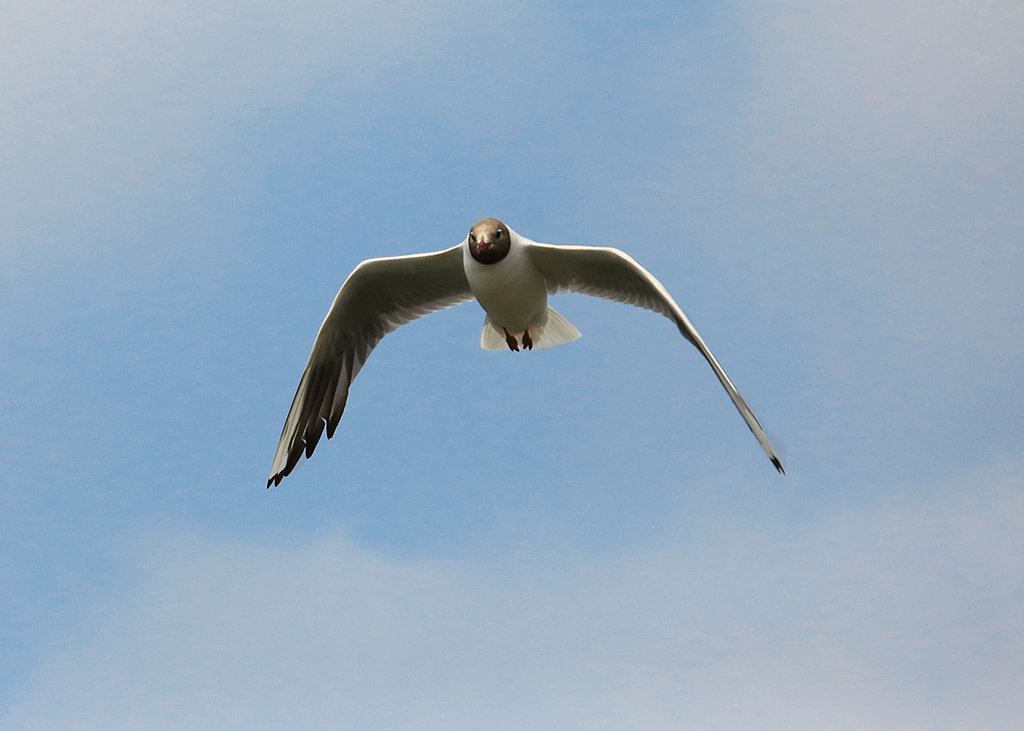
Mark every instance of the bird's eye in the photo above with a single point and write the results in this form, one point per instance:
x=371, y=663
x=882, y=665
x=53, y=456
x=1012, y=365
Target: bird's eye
x=498, y=235
x=472, y=236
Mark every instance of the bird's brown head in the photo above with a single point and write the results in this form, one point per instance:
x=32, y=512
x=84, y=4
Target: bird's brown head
x=489, y=241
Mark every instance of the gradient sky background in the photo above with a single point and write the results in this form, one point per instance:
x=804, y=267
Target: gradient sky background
x=586, y=537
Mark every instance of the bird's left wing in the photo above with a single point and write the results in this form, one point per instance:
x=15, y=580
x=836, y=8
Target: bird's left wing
x=614, y=275
x=378, y=297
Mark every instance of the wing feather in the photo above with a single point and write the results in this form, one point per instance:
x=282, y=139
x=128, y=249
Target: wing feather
x=378, y=297
x=613, y=275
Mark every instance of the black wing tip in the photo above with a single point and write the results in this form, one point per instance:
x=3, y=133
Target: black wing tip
x=306, y=446
x=778, y=465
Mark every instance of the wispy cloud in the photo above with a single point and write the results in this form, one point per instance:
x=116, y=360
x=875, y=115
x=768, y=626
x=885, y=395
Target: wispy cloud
x=105, y=105
x=934, y=80
x=901, y=614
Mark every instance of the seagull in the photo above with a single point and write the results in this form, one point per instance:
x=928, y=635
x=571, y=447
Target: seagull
x=510, y=276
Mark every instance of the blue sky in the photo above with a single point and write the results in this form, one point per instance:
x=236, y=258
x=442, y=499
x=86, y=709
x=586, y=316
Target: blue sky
x=586, y=537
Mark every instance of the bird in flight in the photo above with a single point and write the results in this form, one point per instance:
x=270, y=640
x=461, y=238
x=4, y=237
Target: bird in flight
x=510, y=276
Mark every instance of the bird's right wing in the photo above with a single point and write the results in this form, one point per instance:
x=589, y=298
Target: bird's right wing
x=378, y=297
x=614, y=275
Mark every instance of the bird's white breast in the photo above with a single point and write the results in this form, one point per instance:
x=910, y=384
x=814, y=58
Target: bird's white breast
x=512, y=291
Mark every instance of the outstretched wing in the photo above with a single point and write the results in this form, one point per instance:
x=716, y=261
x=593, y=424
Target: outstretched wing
x=613, y=275
x=378, y=297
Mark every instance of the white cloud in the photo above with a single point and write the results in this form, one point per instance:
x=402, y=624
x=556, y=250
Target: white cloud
x=102, y=101
x=938, y=80
x=882, y=147
x=904, y=614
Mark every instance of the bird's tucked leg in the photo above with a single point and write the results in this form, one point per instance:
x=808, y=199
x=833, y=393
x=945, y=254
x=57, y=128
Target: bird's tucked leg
x=511, y=340
x=527, y=340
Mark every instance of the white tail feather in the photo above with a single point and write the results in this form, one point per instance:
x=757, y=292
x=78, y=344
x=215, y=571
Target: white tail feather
x=492, y=338
x=556, y=331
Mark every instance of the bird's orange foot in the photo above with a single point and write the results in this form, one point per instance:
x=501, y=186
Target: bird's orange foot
x=527, y=340
x=511, y=340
